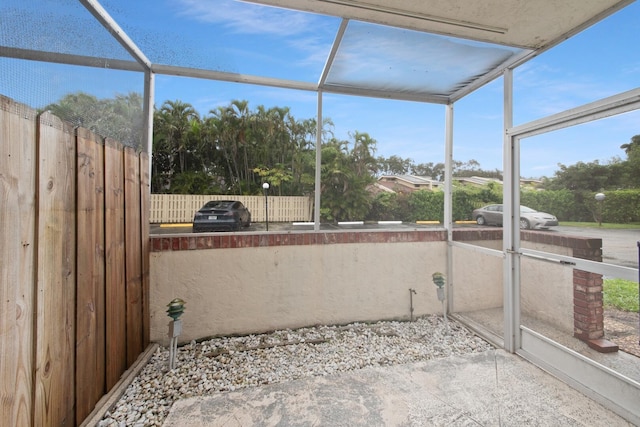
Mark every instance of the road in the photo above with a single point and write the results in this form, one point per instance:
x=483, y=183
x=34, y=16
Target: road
x=619, y=247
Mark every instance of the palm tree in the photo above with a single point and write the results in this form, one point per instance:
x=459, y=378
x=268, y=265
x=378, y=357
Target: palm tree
x=175, y=121
x=222, y=120
x=635, y=142
x=345, y=176
x=364, y=148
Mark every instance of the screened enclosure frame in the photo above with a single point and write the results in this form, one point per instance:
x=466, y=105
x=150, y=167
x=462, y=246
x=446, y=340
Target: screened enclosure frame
x=596, y=381
x=609, y=387
x=614, y=105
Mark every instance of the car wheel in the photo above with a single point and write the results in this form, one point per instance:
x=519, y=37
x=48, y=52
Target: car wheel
x=480, y=220
x=524, y=224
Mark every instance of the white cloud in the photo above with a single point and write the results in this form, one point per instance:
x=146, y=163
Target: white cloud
x=247, y=18
x=307, y=34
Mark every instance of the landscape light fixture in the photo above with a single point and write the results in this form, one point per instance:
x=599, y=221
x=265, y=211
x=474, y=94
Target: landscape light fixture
x=440, y=281
x=175, y=310
x=600, y=199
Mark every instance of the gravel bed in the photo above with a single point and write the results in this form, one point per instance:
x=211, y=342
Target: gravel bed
x=232, y=363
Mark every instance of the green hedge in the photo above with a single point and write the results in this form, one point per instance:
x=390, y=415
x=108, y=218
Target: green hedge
x=620, y=206
x=561, y=203
x=426, y=205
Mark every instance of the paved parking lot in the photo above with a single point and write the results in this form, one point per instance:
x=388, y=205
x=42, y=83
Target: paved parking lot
x=288, y=226
x=619, y=247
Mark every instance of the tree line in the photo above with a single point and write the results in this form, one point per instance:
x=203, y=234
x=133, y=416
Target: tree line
x=614, y=174
x=233, y=149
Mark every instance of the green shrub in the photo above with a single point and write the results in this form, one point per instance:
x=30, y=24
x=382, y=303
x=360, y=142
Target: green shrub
x=426, y=205
x=560, y=203
x=621, y=206
x=388, y=207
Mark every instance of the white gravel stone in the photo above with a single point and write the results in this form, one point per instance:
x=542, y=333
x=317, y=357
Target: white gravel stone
x=232, y=363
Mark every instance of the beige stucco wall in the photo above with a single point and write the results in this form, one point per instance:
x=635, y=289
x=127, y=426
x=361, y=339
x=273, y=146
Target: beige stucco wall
x=546, y=291
x=477, y=278
x=250, y=290
x=242, y=284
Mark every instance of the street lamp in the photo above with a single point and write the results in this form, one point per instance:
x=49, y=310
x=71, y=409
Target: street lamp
x=265, y=186
x=600, y=199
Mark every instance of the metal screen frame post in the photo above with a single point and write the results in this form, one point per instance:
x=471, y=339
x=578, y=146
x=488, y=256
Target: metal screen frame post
x=511, y=224
x=448, y=206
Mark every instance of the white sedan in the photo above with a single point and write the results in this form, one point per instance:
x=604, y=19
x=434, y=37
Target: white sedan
x=529, y=218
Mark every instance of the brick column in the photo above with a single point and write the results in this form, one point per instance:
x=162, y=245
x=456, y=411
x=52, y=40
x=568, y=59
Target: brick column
x=588, y=312
x=588, y=308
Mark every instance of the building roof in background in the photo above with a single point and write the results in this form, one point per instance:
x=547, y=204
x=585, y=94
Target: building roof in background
x=476, y=180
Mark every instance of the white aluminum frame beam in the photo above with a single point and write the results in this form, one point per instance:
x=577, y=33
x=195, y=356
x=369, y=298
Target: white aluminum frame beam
x=396, y=95
x=170, y=70
x=96, y=9
x=67, y=59
x=608, y=270
x=604, y=385
x=511, y=225
x=509, y=64
x=334, y=50
x=323, y=77
x=607, y=107
x=448, y=202
x=318, y=175
x=147, y=111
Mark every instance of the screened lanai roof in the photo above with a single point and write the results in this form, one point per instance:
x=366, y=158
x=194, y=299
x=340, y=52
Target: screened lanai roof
x=425, y=50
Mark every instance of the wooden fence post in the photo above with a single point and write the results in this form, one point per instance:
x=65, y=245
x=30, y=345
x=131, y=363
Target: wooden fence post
x=17, y=252
x=56, y=286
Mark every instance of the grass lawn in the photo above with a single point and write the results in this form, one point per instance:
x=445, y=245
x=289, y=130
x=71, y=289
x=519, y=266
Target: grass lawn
x=621, y=294
x=606, y=225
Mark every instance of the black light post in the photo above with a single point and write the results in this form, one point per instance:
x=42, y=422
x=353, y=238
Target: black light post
x=265, y=186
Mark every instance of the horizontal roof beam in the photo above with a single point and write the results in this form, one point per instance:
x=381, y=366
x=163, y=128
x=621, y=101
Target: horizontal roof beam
x=384, y=94
x=232, y=77
x=607, y=107
x=64, y=58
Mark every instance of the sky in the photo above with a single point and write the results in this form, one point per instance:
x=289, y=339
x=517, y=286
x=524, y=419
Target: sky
x=601, y=61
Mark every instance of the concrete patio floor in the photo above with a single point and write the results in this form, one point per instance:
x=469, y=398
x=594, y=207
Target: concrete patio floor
x=493, y=388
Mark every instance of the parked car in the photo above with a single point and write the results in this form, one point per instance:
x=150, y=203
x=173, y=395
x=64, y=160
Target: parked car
x=529, y=218
x=221, y=215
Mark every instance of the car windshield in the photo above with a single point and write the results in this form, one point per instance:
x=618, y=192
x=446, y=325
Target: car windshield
x=525, y=209
x=221, y=204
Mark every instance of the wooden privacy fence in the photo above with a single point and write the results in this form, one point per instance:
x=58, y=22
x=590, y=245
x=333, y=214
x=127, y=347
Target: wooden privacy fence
x=74, y=267
x=177, y=208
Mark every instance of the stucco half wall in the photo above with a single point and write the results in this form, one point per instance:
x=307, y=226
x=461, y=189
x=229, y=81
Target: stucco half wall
x=238, y=283
x=243, y=283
